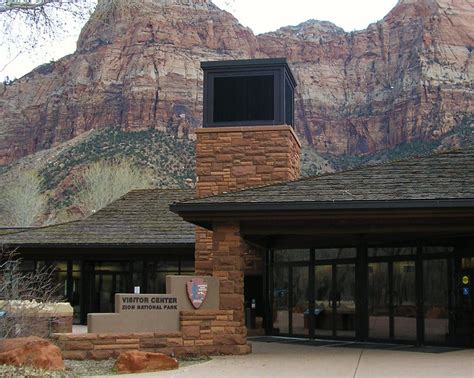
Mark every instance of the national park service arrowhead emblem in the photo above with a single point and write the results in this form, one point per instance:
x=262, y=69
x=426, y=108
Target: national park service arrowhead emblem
x=197, y=292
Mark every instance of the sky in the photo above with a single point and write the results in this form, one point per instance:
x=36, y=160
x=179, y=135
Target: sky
x=260, y=15
x=268, y=15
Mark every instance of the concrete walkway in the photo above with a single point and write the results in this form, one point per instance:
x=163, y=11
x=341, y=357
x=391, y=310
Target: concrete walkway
x=295, y=361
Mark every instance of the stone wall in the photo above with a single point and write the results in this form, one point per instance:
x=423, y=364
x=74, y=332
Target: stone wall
x=43, y=319
x=228, y=258
x=235, y=158
x=203, y=332
x=45, y=325
x=60, y=323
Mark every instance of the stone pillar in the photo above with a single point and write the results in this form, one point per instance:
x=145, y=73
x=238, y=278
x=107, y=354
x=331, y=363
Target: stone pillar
x=228, y=251
x=235, y=158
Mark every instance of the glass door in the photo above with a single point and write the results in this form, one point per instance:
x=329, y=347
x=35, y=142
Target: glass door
x=404, y=301
x=290, y=300
x=281, y=300
x=104, y=292
x=107, y=285
x=323, y=305
x=392, y=301
x=334, y=306
x=108, y=279
x=299, y=301
x=379, y=301
x=344, y=301
x=436, y=301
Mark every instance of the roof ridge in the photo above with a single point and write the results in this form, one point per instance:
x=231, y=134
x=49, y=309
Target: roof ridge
x=48, y=226
x=158, y=189
x=115, y=202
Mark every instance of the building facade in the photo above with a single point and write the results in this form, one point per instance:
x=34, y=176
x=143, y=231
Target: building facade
x=382, y=253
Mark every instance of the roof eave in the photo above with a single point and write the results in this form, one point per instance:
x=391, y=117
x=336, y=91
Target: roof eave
x=142, y=245
x=184, y=208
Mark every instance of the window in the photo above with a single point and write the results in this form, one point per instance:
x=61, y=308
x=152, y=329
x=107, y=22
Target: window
x=244, y=98
x=396, y=251
x=288, y=255
x=335, y=253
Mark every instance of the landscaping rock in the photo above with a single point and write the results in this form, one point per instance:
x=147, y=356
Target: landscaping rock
x=31, y=351
x=140, y=362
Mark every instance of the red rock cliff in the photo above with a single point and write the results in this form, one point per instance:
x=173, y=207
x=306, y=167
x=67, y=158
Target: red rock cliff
x=404, y=78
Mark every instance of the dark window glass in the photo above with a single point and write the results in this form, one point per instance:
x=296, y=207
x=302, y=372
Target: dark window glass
x=137, y=275
x=187, y=267
x=58, y=271
x=27, y=266
x=335, y=253
x=288, y=103
x=76, y=291
x=467, y=263
x=157, y=272
x=112, y=266
x=137, y=266
x=157, y=282
x=397, y=251
x=287, y=255
x=137, y=279
x=438, y=249
x=58, y=276
x=244, y=98
x=164, y=266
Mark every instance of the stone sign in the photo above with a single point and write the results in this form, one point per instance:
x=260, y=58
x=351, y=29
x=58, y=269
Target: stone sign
x=146, y=303
x=157, y=312
x=138, y=313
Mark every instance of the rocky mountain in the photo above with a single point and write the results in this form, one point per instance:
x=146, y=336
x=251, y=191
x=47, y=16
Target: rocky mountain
x=406, y=78
x=405, y=81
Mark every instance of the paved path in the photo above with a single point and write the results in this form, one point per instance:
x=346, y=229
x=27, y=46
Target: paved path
x=296, y=361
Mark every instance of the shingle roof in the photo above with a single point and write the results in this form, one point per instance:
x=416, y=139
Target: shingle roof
x=7, y=230
x=141, y=217
x=443, y=176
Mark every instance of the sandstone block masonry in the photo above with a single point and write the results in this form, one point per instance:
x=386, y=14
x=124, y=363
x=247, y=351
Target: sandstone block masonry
x=203, y=332
x=235, y=158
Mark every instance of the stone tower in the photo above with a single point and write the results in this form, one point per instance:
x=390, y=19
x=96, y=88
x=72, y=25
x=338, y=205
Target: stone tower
x=247, y=141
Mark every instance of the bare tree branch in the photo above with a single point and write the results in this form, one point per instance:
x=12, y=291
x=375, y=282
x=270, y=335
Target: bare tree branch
x=29, y=24
x=34, y=5
x=26, y=298
x=22, y=202
x=103, y=182
x=11, y=60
